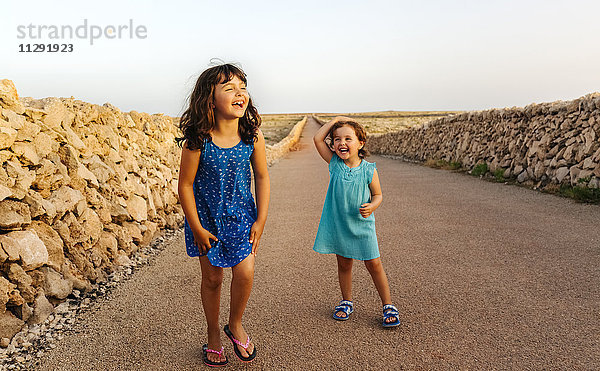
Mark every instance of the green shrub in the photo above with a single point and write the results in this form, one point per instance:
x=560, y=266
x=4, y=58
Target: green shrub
x=499, y=175
x=479, y=169
x=581, y=194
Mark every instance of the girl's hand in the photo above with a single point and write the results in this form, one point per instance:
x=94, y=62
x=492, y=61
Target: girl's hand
x=202, y=239
x=366, y=210
x=255, y=234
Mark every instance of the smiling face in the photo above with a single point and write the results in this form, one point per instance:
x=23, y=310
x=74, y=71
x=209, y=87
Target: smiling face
x=346, y=144
x=230, y=99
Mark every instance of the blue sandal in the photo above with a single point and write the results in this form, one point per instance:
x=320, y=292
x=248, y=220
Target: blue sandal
x=390, y=311
x=345, y=306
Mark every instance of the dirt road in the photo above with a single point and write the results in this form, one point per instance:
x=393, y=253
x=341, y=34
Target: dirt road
x=485, y=276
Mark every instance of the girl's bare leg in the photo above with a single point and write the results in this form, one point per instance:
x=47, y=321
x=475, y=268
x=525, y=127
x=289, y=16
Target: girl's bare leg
x=210, y=289
x=241, y=286
x=345, y=279
x=379, y=277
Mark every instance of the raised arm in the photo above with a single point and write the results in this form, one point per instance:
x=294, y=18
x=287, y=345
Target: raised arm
x=320, y=136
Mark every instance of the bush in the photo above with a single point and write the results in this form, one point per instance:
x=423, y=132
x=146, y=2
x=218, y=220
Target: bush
x=581, y=194
x=499, y=175
x=479, y=169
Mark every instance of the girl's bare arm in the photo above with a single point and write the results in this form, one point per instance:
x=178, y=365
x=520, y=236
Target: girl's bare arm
x=185, y=189
x=262, y=189
x=376, y=197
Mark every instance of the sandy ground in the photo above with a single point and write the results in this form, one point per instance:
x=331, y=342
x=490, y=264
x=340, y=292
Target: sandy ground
x=486, y=276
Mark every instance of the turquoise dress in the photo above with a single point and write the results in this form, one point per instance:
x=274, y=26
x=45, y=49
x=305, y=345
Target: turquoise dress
x=224, y=203
x=342, y=230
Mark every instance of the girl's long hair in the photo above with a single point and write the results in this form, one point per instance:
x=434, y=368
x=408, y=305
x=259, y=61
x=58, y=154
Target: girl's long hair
x=198, y=120
x=360, y=132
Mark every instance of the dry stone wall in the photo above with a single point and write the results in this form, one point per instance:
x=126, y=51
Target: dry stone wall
x=540, y=144
x=278, y=150
x=82, y=187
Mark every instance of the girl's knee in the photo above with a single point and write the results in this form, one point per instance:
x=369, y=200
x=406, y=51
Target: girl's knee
x=374, y=265
x=344, y=264
x=212, y=281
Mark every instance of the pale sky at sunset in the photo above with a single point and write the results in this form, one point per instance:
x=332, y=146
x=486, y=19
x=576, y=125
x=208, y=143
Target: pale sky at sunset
x=314, y=56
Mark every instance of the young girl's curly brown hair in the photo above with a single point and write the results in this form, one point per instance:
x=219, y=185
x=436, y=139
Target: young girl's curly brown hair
x=360, y=132
x=198, y=120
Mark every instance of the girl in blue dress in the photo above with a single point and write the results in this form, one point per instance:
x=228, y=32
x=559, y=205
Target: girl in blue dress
x=347, y=226
x=222, y=144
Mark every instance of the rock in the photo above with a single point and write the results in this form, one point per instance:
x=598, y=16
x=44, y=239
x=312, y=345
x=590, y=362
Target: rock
x=41, y=310
x=118, y=213
x=54, y=285
x=9, y=98
x=7, y=135
x=14, y=215
x=40, y=207
x=26, y=152
x=4, y=342
x=6, y=287
x=137, y=208
x=9, y=325
x=3, y=254
x=32, y=251
x=91, y=224
x=561, y=173
x=53, y=242
x=79, y=283
x=65, y=199
x=84, y=173
x=122, y=259
x=4, y=192
x=133, y=230
x=23, y=312
x=22, y=177
x=107, y=244
x=18, y=275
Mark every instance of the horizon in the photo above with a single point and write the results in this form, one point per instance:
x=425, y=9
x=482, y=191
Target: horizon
x=344, y=57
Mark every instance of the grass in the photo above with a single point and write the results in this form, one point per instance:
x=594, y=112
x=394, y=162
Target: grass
x=581, y=194
x=499, y=175
x=480, y=169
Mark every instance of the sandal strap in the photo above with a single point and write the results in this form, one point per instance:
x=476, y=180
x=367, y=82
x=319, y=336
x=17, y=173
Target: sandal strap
x=389, y=309
x=220, y=353
x=245, y=346
x=346, y=303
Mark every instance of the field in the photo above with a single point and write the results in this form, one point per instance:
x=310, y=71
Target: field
x=275, y=127
x=389, y=121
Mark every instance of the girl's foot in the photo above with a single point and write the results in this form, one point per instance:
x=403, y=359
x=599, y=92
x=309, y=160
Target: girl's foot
x=243, y=346
x=390, y=316
x=206, y=356
x=214, y=342
x=343, y=310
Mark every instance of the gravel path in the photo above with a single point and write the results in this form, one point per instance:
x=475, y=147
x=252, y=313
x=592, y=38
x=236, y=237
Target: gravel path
x=486, y=276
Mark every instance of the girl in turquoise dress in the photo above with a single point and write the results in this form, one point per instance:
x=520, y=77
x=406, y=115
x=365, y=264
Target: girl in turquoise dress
x=222, y=145
x=347, y=226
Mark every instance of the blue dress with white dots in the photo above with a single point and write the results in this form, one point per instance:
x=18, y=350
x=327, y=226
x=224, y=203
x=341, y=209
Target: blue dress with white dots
x=224, y=202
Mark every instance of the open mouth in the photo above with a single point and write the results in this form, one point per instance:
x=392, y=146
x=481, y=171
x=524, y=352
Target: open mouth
x=239, y=103
x=343, y=150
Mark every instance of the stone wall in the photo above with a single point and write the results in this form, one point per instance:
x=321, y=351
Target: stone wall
x=279, y=149
x=82, y=187
x=540, y=144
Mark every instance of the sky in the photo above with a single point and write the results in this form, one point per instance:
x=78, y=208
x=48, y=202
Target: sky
x=309, y=56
